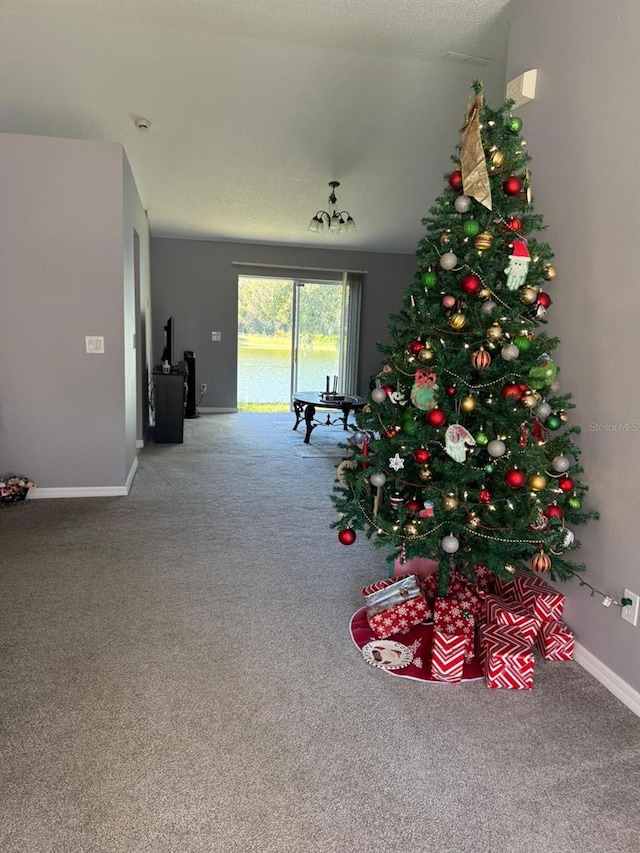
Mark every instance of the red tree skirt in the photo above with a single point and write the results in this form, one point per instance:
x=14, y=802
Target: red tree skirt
x=418, y=639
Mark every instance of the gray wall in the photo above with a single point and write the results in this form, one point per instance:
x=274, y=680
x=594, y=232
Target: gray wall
x=583, y=130
x=197, y=282
x=65, y=415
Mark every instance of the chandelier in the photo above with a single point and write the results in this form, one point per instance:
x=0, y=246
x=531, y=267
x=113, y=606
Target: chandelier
x=337, y=222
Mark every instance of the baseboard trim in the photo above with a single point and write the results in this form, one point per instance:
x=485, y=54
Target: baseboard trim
x=86, y=491
x=614, y=684
x=214, y=410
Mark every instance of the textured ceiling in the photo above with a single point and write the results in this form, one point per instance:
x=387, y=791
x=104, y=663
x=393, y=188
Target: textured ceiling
x=256, y=104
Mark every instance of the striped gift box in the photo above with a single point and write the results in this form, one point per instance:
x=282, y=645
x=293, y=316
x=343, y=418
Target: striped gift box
x=447, y=657
x=513, y=615
x=555, y=641
x=540, y=597
x=506, y=658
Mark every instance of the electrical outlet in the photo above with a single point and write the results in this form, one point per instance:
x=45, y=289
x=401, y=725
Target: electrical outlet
x=630, y=613
x=203, y=388
x=216, y=336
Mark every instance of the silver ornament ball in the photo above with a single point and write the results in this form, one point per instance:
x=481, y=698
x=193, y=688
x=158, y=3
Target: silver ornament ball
x=462, y=203
x=561, y=464
x=378, y=395
x=448, y=261
x=543, y=410
x=450, y=544
x=488, y=306
x=509, y=352
x=496, y=448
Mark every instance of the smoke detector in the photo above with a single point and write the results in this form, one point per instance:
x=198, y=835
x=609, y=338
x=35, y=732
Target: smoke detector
x=142, y=123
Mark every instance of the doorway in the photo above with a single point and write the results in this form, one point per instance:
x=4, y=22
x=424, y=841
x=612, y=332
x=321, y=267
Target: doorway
x=293, y=333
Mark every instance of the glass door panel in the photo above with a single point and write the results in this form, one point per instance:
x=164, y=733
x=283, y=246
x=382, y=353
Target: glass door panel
x=317, y=336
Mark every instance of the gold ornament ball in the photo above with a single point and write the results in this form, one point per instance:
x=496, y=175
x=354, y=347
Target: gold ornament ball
x=411, y=528
x=473, y=521
x=537, y=482
x=483, y=241
x=366, y=408
x=528, y=294
x=450, y=503
x=530, y=400
x=468, y=404
x=497, y=159
x=458, y=320
x=424, y=472
x=445, y=238
x=425, y=354
x=564, y=416
x=549, y=272
x=484, y=293
x=494, y=332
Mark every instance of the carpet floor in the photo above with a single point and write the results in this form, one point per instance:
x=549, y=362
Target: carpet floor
x=177, y=676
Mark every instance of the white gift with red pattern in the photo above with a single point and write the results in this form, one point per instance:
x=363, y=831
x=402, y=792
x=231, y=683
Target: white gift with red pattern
x=540, y=597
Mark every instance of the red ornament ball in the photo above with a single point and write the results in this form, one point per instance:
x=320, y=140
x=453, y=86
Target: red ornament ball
x=554, y=511
x=566, y=484
x=347, y=536
x=514, y=224
x=515, y=478
x=512, y=186
x=415, y=347
x=451, y=390
x=511, y=392
x=484, y=496
x=455, y=180
x=436, y=418
x=413, y=506
x=543, y=299
x=389, y=433
x=389, y=389
x=470, y=284
x=421, y=455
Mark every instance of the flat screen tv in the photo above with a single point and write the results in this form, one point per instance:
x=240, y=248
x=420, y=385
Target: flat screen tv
x=167, y=352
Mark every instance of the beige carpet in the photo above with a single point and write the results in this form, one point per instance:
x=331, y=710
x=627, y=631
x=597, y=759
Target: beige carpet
x=324, y=441
x=177, y=676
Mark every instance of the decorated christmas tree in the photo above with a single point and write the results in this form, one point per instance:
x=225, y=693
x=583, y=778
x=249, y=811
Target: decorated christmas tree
x=465, y=451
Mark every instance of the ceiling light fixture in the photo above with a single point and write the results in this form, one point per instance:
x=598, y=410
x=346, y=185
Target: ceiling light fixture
x=337, y=222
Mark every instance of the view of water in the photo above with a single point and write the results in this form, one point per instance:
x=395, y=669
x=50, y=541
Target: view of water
x=264, y=375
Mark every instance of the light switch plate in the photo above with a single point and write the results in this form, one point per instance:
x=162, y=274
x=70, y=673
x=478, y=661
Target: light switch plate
x=94, y=343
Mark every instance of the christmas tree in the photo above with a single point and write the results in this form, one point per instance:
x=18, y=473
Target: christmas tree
x=464, y=453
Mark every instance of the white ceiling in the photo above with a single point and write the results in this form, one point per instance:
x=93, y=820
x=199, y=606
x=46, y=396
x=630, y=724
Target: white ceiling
x=256, y=104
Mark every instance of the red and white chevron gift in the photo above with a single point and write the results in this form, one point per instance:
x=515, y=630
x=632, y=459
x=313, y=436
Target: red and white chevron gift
x=447, y=657
x=555, y=641
x=512, y=614
x=505, y=589
x=454, y=616
x=506, y=658
x=540, y=597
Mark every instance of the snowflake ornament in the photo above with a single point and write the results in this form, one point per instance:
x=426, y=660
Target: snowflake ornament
x=396, y=462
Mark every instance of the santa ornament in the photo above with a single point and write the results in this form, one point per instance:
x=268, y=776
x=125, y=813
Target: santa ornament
x=518, y=265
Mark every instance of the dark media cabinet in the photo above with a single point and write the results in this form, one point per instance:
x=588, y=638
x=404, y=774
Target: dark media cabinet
x=169, y=395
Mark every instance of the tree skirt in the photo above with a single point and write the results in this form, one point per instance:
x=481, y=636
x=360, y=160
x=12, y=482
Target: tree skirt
x=418, y=639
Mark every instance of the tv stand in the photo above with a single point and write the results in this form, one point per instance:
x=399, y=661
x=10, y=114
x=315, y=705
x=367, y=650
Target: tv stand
x=169, y=404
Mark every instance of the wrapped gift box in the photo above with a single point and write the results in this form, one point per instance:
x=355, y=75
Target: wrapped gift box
x=403, y=613
x=447, y=657
x=512, y=614
x=555, y=641
x=452, y=616
x=506, y=658
x=505, y=589
x=540, y=597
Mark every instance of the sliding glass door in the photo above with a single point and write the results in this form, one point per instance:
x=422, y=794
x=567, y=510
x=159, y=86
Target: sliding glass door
x=292, y=335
